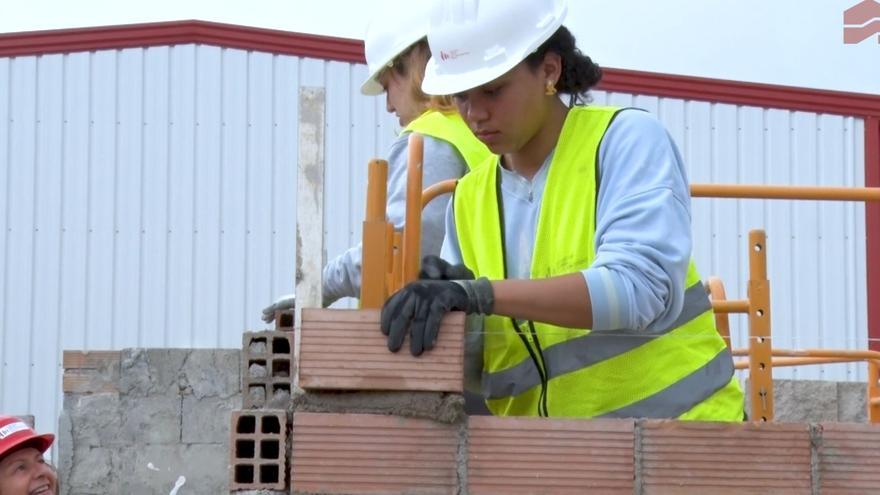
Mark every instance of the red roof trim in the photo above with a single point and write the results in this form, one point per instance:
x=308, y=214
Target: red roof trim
x=741, y=93
x=181, y=32
x=348, y=50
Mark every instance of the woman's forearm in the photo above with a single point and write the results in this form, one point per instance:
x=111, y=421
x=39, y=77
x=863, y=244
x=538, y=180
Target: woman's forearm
x=562, y=301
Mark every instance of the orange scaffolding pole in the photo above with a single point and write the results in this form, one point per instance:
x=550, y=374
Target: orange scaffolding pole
x=760, y=191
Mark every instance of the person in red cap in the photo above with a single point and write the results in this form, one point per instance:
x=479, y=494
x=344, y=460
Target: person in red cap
x=23, y=471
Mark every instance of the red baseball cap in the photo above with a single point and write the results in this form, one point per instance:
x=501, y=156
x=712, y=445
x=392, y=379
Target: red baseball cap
x=15, y=433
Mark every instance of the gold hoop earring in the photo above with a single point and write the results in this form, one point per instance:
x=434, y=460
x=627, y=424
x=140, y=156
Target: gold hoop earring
x=550, y=88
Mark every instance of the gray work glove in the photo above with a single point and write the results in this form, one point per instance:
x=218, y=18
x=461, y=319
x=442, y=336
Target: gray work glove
x=418, y=308
x=436, y=268
x=283, y=303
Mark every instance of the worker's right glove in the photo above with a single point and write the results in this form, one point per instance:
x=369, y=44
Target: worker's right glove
x=418, y=308
x=436, y=268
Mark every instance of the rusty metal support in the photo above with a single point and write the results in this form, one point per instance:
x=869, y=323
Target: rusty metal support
x=412, y=230
x=785, y=192
x=760, y=361
x=375, y=238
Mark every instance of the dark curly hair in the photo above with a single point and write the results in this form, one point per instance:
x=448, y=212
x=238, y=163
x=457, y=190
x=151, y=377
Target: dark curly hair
x=579, y=72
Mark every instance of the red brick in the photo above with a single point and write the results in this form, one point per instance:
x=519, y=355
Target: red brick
x=849, y=458
x=258, y=448
x=345, y=350
x=681, y=457
x=549, y=456
x=87, y=372
x=372, y=454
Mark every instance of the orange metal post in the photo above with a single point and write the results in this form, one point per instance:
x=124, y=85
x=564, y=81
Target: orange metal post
x=375, y=241
x=412, y=231
x=396, y=274
x=760, y=361
x=440, y=188
x=731, y=306
x=874, y=391
x=817, y=353
x=718, y=296
x=785, y=192
x=797, y=361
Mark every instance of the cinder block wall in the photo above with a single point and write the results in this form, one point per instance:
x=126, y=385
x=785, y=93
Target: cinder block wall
x=141, y=421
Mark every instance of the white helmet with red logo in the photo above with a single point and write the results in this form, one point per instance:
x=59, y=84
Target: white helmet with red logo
x=385, y=40
x=476, y=41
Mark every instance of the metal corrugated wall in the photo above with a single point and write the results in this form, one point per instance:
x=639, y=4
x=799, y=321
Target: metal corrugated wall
x=148, y=200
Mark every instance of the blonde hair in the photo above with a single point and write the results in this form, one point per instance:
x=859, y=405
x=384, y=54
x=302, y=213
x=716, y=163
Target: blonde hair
x=411, y=64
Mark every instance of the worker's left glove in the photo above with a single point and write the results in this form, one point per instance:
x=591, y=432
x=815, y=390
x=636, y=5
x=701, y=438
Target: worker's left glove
x=283, y=303
x=419, y=307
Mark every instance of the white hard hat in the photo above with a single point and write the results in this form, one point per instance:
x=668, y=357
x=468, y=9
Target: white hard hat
x=476, y=41
x=398, y=28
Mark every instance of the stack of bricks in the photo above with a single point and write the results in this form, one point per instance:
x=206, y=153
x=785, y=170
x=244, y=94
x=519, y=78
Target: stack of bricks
x=259, y=444
x=372, y=422
x=346, y=451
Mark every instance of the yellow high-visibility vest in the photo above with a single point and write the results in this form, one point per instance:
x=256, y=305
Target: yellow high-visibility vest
x=538, y=369
x=450, y=127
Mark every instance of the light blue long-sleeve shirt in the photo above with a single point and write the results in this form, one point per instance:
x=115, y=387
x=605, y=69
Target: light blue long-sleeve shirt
x=643, y=231
x=442, y=161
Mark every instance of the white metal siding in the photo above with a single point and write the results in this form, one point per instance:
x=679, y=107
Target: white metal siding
x=147, y=198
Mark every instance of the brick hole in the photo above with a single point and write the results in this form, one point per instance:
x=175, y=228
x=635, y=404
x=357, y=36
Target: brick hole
x=271, y=424
x=285, y=320
x=269, y=449
x=259, y=345
x=281, y=367
x=257, y=394
x=257, y=368
x=244, y=474
x=280, y=388
x=246, y=424
x=244, y=449
x=269, y=473
x=280, y=346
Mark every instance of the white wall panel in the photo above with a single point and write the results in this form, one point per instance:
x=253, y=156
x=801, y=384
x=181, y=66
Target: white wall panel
x=147, y=198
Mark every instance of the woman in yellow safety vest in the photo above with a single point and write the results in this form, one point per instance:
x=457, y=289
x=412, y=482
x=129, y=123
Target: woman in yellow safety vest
x=577, y=235
x=396, y=54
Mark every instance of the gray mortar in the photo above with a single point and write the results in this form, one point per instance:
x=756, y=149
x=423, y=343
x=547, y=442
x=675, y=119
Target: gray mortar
x=438, y=406
x=461, y=459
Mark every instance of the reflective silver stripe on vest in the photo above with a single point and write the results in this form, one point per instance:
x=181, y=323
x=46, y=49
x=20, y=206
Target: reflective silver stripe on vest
x=683, y=395
x=588, y=350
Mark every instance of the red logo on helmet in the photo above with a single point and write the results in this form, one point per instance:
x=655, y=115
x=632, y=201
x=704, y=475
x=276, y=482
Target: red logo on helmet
x=452, y=55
